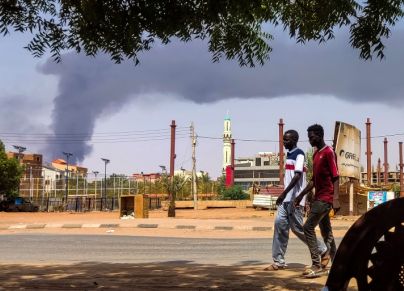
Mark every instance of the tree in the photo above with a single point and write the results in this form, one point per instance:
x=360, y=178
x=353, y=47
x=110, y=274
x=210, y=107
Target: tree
x=172, y=185
x=221, y=185
x=234, y=29
x=10, y=173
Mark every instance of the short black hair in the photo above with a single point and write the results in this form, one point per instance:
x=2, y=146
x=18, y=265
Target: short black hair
x=317, y=129
x=294, y=134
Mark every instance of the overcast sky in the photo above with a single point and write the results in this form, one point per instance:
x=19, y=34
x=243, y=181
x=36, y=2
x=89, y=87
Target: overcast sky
x=121, y=112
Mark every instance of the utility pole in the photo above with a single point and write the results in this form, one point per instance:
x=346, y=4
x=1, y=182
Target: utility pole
x=172, y=148
x=368, y=153
x=281, y=165
x=194, y=189
x=68, y=155
x=386, y=164
x=400, y=145
x=171, y=198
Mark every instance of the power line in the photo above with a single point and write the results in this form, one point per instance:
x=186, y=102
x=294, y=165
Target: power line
x=276, y=141
x=89, y=141
x=85, y=134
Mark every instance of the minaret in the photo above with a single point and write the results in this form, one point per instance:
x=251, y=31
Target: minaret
x=226, y=142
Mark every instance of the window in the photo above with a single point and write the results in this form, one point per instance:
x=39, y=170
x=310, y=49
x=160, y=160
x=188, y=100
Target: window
x=258, y=162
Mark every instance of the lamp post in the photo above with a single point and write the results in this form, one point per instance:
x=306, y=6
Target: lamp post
x=106, y=161
x=163, y=169
x=67, y=174
x=164, y=173
x=95, y=183
x=20, y=150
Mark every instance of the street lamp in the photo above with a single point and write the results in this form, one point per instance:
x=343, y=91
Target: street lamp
x=163, y=169
x=67, y=173
x=95, y=183
x=20, y=150
x=106, y=161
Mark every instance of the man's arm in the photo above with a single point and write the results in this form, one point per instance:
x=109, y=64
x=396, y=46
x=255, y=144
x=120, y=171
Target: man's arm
x=306, y=190
x=335, y=203
x=292, y=184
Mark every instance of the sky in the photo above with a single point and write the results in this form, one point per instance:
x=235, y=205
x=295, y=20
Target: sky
x=94, y=108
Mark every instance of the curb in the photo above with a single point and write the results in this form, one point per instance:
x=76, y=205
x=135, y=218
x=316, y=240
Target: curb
x=147, y=225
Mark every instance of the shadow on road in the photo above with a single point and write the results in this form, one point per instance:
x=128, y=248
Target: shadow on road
x=178, y=275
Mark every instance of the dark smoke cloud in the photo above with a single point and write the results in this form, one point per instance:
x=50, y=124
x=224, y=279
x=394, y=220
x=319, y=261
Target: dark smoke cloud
x=90, y=88
x=20, y=114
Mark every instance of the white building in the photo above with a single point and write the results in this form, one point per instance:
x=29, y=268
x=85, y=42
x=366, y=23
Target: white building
x=261, y=170
x=226, y=143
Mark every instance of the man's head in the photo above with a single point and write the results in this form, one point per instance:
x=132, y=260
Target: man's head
x=315, y=134
x=290, y=139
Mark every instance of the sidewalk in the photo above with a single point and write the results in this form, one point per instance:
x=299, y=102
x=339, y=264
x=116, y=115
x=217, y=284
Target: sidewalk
x=219, y=220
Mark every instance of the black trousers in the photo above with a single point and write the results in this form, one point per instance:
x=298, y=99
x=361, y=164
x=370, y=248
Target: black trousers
x=319, y=215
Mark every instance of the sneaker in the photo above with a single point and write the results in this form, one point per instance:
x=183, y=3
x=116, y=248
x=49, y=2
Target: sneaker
x=313, y=272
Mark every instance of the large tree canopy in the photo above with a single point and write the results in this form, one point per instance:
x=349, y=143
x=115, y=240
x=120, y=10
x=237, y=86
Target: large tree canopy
x=233, y=28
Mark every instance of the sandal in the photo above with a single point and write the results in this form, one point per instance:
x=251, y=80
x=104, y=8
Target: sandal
x=313, y=272
x=275, y=267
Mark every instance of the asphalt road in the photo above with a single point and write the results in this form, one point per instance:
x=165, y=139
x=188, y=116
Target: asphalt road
x=46, y=248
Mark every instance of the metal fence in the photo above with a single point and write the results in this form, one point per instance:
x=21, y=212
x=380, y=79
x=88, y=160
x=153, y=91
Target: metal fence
x=91, y=194
x=84, y=204
x=35, y=188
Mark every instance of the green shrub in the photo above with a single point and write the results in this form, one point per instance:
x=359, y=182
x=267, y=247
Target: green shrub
x=233, y=193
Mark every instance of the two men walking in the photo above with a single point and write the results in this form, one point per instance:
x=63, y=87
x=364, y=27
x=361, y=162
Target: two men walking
x=292, y=201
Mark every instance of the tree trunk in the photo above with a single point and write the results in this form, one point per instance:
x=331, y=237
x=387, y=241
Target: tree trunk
x=171, y=205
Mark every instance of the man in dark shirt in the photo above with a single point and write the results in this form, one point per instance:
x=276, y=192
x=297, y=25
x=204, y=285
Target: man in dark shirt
x=325, y=180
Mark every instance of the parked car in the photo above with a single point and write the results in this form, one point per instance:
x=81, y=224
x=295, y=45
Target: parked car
x=18, y=204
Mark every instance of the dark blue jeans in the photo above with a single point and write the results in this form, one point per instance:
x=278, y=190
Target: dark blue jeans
x=319, y=215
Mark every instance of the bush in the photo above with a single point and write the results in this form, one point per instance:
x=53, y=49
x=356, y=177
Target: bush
x=233, y=193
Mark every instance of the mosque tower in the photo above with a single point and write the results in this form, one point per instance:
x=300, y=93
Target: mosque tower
x=226, y=142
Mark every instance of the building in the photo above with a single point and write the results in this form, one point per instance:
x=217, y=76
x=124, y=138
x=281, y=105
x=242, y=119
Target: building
x=261, y=170
x=31, y=162
x=53, y=180
x=143, y=177
x=226, y=143
x=74, y=170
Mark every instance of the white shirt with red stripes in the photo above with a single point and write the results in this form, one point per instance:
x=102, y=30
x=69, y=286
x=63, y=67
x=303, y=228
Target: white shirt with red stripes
x=295, y=162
